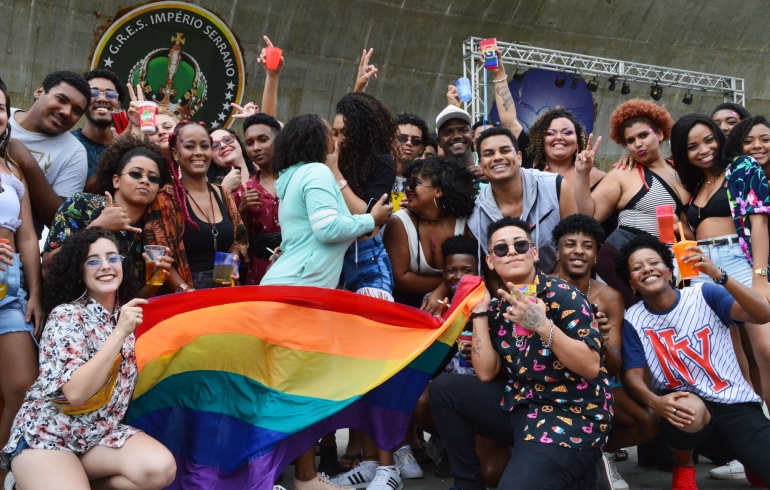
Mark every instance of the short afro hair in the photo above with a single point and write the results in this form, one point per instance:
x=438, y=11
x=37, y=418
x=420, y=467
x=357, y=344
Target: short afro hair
x=578, y=223
x=505, y=222
x=261, y=118
x=637, y=110
x=414, y=120
x=460, y=245
x=536, y=133
x=736, y=108
x=111, y=76
x=72, y=79
x=641, y=242
x=741, y=130
x=497, y=131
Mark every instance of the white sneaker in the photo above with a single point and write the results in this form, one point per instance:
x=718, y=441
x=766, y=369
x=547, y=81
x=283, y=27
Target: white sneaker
x=618, y=483
x=358, y=477
x=320, y=482
x=406, y=464
x=387, y=478
x=731, y=471
x=9, y=482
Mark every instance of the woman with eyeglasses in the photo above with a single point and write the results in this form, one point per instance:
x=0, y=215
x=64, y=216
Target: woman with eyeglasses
x=69, y=428
x=194, y=218
x=440, y=196
x=129, y=176
x=230, y=166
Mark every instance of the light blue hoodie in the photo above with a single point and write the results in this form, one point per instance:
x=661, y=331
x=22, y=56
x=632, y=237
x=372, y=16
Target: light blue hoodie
x=316, y=228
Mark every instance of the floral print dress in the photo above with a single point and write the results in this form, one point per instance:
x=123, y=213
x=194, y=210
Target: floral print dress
x=73, y=334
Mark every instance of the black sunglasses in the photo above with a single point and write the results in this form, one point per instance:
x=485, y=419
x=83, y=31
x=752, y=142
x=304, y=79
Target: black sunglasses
x=520, y=246
x=109, y=94
x=412, y=184
x=415, y=140
x=154, y=179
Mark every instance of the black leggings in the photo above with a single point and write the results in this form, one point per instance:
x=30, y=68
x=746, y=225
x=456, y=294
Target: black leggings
x=736, y=431
x=461, y=402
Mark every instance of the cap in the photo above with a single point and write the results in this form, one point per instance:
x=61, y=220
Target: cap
x=451, y=112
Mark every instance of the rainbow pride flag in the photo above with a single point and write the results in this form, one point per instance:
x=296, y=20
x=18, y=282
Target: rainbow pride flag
x=238, y=382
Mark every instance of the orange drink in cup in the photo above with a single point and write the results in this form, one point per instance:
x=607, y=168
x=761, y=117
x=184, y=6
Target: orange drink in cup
x=680, y=250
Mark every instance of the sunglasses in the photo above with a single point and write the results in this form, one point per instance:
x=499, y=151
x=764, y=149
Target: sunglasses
x=228, y=140
x=154, y=179
x=112, y=260
x=415, y=140
x=412, y=184
x=108, y=94
x=519, y=246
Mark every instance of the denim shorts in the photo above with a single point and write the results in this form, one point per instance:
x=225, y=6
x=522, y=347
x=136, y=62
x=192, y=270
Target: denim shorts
x=13, y=308
x=5, y=459
x=204, y=280
x=367, y=267
x=730, y=258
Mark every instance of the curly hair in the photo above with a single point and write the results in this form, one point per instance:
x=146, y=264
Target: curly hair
x=741, y=131
x=216, y=173
x=460, y=245
x=72, y=79
x=578, y=223
x=65, y=283
x=690, y=175
x=640, y=242
x=456, y=182
x=114, y=159
x=370, y=131
x=505, y=222
x=637, y=110
x=536, y=147
x=304, y=139
x=180, y=193
x=112, y=77
x=414, y=120
x=736, y=108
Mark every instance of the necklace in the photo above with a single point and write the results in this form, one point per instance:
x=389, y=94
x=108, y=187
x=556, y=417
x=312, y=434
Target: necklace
x=213, y=226
x=589, y=284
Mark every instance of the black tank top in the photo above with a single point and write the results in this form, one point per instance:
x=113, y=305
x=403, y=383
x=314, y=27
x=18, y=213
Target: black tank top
x=199, y=244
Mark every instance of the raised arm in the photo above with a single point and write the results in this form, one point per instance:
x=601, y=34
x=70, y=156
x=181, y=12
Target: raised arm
x=506, y=109
x=365, y=71
x=602, y=201
x=270, y=92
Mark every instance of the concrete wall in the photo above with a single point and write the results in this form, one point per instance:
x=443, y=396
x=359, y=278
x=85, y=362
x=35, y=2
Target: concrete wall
x=418, y=44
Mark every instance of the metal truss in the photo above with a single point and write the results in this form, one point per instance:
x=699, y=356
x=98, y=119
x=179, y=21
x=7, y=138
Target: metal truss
x=731, y=88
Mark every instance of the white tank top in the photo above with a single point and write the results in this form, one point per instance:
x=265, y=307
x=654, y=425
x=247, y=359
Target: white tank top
x=422, y=266
x=10, y=202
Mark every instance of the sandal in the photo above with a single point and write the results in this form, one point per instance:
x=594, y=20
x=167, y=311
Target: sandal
x=621, y=455
x=349, y=461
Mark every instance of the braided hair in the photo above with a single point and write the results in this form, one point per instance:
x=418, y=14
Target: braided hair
x=180, y=193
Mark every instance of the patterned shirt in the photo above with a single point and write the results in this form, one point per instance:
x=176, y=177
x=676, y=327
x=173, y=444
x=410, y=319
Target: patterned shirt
x=260, y=220
x=73, y=334
x=564, y=408
x=79, y=211
x=747, y=192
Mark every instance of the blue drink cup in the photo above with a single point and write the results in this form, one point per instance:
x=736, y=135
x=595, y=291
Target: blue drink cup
x=225, y=265
x=464, y=88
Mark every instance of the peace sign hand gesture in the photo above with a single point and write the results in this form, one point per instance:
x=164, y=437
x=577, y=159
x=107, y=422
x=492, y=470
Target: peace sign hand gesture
x=365, y=71
x=586, y=159
x=133, y=106
x=243, y=112
x=522, y=311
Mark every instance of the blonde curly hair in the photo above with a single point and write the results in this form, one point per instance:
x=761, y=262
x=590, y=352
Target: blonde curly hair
x=637, y=110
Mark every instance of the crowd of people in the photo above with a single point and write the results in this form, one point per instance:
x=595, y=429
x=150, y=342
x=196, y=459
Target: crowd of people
x=586, y=343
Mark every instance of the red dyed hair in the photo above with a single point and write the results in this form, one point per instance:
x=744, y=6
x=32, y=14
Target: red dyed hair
x=638, y=110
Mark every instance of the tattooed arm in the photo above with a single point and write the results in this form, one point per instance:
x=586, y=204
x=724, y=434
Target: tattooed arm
x=484, y=357
x=506, y=109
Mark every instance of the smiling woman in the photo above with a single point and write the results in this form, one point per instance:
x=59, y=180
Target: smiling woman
x=230, y=163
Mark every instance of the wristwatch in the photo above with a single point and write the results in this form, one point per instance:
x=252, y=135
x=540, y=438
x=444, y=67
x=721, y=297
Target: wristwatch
x=341, y=184
x=761, y=272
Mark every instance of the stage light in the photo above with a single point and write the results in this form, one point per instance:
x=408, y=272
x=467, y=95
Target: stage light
x=593, y=85
x=687, y=98
x=611, y=87
x=656, y=92
x=575, y=81
x=625, y=89
x=561, y=79
x=518, y=75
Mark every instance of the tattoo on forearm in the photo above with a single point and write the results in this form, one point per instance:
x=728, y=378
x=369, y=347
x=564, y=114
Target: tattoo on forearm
x=532, y=318
x=505, y=94
x=476, y=344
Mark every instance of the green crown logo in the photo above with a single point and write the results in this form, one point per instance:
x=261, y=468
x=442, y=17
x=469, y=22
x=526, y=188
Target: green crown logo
x=171, y=78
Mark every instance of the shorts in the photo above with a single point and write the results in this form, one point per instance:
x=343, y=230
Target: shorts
x=730, y=258
x=13, y=308
x=367, y=270
x=204, y=280
x=5, y=460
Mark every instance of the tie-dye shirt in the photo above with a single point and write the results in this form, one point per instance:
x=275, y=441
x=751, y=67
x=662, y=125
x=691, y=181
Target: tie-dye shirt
x=563, y=408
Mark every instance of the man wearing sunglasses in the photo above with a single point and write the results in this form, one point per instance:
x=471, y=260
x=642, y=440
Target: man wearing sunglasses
x=59, y=165
x=107, y=94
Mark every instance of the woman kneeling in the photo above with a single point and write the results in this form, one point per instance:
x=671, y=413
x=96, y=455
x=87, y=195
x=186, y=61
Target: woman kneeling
x=67, y=434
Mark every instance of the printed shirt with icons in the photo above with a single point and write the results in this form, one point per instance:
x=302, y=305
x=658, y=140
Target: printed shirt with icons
x=564, y=408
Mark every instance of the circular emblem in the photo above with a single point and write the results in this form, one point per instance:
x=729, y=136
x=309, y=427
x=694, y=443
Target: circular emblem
x=182, y=56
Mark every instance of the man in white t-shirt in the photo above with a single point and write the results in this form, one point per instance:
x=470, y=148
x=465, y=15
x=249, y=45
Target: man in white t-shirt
x=61, y=161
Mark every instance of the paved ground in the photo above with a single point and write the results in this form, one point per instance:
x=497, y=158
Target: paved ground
x=636, y=476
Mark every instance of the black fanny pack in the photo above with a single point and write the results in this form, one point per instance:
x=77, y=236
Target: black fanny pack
x=259, y=244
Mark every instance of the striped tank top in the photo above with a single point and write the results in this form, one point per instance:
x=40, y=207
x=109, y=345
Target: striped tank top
x=639, y=213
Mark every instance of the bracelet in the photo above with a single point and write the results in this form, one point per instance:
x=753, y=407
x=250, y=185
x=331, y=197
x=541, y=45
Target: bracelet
x=722, y=280
x=550, y=337
x=476, y=314
x=504, y=79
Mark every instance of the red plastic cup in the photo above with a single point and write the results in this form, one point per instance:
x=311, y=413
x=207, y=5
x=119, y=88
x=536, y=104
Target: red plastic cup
x=272, y=57
x=147, y=110
x=120, y=120
x=665, y=215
